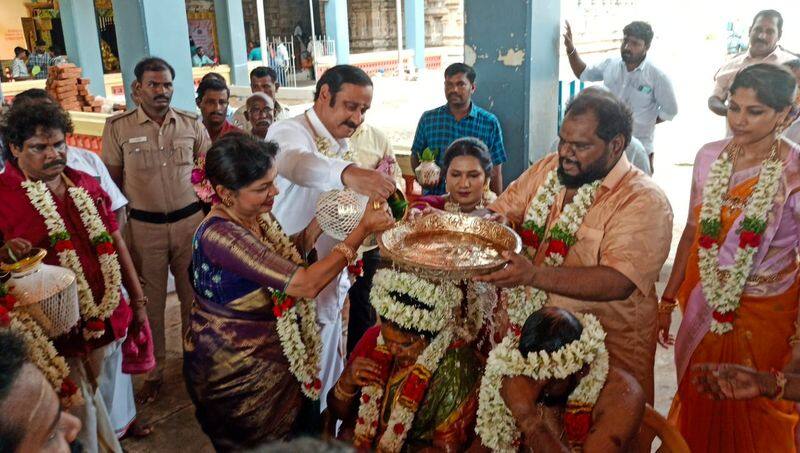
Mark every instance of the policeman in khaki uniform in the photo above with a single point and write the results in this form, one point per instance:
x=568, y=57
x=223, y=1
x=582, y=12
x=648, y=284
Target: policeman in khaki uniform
x=150, y=153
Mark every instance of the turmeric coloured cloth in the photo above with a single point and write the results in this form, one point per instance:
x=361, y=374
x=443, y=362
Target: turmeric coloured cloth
x=628, y=228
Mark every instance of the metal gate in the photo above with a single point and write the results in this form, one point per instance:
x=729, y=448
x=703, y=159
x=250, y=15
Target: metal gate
x=281, y=57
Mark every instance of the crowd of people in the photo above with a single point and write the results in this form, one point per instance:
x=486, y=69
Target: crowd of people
x=289, y=332
x=34, y=65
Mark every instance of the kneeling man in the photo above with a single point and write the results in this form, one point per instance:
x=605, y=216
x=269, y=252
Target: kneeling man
x=555, y=382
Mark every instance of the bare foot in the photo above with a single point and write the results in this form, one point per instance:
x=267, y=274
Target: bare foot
x=149, y=392
x=137, y=431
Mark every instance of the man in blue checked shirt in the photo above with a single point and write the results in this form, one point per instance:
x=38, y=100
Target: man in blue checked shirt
x=460, y=117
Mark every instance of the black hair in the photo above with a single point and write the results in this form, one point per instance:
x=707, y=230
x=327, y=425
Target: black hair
x=32, y=94
x=549, y=329
x=152, y=64
x=641, y=30
x=468, y=146
x=13, y=355
x=18, y=50
x=774, y=85
x=460, y=68
x=211, y=84
x=213, y=75
x=613, y=116
x=263, y=71
x=23, y=120
x=41, y=42
x=337, y=76
x=769, y=14
x=237, y=160
x=794, y=65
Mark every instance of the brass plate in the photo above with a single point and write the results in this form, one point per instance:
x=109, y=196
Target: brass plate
x=35, y=256
x=451, y=246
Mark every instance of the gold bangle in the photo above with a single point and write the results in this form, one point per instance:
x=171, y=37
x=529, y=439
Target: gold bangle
x=341, y=395
x=348, y=253
x=666, y=307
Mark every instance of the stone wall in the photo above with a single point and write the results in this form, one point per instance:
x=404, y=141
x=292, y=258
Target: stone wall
x=373, y=24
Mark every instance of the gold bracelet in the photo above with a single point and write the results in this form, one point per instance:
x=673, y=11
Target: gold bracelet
x=345, y=250
x=665, y=307
x=341, y=395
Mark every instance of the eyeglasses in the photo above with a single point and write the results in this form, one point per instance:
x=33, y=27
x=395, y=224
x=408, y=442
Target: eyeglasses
x=260, y=111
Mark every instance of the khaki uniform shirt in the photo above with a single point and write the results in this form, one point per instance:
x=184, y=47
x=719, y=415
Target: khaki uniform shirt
x=628, y=228
x=157, y=161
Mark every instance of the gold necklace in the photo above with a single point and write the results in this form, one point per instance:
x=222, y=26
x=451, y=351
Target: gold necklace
x=256, y=228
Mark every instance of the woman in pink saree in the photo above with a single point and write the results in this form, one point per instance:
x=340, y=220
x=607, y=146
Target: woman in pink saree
x=765, y=310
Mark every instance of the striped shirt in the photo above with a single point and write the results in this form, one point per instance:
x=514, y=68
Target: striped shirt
x=438, y=128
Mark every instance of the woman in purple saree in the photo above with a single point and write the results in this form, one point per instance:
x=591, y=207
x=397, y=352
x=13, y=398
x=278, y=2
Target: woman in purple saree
x=247, y=275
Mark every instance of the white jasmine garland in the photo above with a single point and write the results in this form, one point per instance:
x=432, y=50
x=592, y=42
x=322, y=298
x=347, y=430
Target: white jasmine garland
x=442, y=297
x=43, y=354
x=42, y=200
x=724, y=297
x=522, y=301
x=297, y=327
x=495, y=424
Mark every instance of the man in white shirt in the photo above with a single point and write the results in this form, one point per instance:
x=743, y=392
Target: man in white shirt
x=765, y=32
x=314, y=158
x=644, y=88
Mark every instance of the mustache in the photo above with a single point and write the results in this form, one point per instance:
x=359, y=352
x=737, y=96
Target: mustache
x=55, y=163
x=350, y=124
x=161, y=96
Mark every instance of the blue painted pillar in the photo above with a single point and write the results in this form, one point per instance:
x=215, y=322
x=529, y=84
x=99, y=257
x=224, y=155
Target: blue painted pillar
x=517, y=67
x=82, y=42
x=157, y=28
x=415, y=31
x=337, y=28
x=231, y=38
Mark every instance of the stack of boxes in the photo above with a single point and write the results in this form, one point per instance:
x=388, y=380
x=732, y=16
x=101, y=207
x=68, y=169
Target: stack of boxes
x=65, y=84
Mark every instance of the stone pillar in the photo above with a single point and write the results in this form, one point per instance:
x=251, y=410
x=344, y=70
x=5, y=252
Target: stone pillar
x=157, y=28
x=415, y=31
x=517, y=71
x=336, y=27
x=82, y=42
x=232, y=41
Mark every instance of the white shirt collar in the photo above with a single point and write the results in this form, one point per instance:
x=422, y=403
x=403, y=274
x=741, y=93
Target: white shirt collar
x=322, y=131
x=638, y=68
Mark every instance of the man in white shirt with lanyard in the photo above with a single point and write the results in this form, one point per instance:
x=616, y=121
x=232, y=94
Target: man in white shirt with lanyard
x=313, y=158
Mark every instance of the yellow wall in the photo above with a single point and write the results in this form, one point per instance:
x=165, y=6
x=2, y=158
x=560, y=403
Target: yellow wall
x=11, y=11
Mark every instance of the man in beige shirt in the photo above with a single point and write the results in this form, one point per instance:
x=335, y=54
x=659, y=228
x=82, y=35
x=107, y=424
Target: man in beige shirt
x=621, y=244
x=150, y=152
x=765, y=32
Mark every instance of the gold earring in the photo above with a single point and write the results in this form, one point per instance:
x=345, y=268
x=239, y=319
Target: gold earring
x=227, y=201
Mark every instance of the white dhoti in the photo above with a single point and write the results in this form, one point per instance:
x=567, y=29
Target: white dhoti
x=330, y=302
x=97, y=434
x=116, y=388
